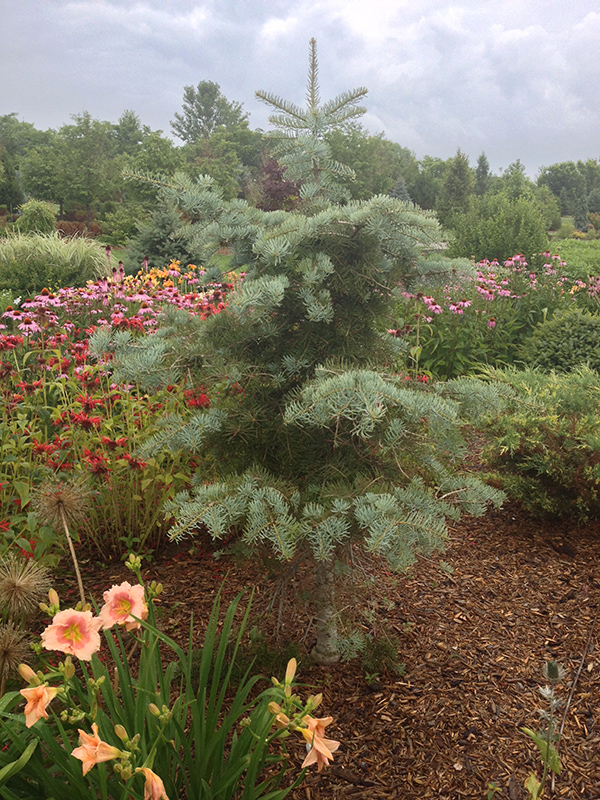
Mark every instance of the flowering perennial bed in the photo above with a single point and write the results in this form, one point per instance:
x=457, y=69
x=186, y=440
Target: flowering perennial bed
x=63, y=417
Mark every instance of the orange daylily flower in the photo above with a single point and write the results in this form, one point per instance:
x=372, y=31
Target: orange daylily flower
x=38, y=699
x=154, y=788
x=93, y=750
x=321, y=749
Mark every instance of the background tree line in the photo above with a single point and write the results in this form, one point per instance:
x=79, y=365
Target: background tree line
x=80, y=169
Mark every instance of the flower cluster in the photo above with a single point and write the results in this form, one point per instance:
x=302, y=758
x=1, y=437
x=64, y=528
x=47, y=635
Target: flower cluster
x=295, y=716
x=63, y=414
x=75, y=632
x=484, y=317
x=188, y=739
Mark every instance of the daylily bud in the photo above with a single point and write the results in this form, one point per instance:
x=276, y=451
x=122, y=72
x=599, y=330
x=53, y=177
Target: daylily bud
x=126, y=773
x=274, y=708
x=28, y=675
x=121, y=733
x=154, y=709
x=69, y=668
x=290, y=671
x=53, y=597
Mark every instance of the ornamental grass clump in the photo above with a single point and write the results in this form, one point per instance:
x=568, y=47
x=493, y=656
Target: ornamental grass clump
x=99, y=723
x=29, y=262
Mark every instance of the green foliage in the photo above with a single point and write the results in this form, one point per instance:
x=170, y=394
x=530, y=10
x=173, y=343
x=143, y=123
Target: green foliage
x=566, y=181
x=378, y=164
x=545, y=445
x=482, y=175
x=583, y=257
x=11, y=194
x=36, y=217
x=163, y=237
x=564, y=342
x=121, y=223
x=457, y=186
x=205, y=108
x=30, y=263
x=494, y=226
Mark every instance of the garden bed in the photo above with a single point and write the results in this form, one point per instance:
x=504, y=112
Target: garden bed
x=475, y=629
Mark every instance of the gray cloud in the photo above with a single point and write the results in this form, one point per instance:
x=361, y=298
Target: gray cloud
x=518, y=79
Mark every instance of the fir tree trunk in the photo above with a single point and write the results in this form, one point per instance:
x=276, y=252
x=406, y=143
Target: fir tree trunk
x=326, y=650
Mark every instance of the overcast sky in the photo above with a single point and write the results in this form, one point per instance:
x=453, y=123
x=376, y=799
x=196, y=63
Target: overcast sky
x=513, y=78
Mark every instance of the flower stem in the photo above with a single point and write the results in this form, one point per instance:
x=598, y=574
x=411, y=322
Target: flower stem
x=63, y=518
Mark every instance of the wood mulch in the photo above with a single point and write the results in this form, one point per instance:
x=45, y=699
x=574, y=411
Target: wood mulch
x=475, y=626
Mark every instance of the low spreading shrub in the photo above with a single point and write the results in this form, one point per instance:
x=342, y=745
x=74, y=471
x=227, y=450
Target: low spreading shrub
x=29, y=263
x=544, y=445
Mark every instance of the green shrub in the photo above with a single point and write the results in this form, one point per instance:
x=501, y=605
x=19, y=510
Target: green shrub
x=497, y=226
x=28, y=263
x=36, y=217
x=545, y=446
x=566, y=341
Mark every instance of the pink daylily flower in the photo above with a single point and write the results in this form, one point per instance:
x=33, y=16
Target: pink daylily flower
x=154, y=788
x=321, y=749
x=122, y=604
x=73, y=632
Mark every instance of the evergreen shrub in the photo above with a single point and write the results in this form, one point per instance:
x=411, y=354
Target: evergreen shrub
x=29, y=263
x=564, y=342
x=545, y=444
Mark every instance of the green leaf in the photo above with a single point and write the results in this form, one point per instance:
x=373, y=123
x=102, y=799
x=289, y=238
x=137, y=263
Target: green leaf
x=22, y=490
x=532, y=785
x=16, y=766
x=548, y=753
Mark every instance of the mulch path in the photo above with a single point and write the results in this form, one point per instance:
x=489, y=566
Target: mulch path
x=475, y=626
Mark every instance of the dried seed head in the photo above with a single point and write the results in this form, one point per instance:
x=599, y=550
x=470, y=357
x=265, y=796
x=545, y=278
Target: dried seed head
x=553, y=672
x=13, y=649
x=53, y=499
x=23, y=583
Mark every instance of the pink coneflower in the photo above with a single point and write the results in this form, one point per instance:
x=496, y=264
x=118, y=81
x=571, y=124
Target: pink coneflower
x=29, y=325
x=491, y=322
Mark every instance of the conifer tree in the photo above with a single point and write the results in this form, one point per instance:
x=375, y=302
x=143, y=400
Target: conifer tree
x=316, y=443
x=299, y=140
